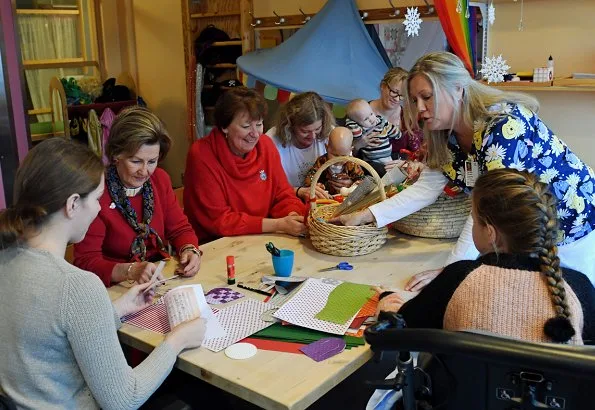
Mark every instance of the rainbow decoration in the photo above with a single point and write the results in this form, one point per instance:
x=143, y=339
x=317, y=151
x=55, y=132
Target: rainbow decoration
x=458, y=30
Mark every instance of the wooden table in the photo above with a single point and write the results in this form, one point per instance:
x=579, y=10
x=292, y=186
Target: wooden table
x=276, y=380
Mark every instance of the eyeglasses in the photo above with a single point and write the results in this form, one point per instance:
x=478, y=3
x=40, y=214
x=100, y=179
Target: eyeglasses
x=394, y=93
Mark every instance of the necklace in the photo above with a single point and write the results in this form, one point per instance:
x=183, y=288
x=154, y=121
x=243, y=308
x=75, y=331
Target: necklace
x=132, y=191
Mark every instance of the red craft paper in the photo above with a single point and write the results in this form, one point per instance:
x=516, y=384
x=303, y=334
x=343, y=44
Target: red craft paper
x=275, y=345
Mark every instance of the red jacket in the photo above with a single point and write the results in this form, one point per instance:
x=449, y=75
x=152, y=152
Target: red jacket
x=226, y=195
x=109, y=237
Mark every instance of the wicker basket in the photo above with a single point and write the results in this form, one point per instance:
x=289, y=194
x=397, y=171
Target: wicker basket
x=343, y=240
x=445, y=218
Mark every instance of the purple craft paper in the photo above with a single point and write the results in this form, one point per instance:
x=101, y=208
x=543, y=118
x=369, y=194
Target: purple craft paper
x=222, y=295
x=324, y=348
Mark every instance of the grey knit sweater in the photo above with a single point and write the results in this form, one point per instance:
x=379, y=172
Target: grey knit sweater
x=58, y=342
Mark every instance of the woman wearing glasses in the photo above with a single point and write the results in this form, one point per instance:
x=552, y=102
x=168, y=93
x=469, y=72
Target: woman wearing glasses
x=389, y=107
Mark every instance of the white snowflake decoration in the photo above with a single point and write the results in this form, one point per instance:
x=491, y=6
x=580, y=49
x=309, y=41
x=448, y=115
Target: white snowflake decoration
x=494, y=69
x=491, y=14
x=412, y=21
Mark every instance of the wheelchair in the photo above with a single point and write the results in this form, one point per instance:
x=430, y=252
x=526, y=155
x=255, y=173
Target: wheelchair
x=478, y=371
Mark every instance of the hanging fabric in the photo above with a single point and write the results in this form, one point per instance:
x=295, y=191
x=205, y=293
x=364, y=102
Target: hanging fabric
x=458, y=32
x=95, y=133
x=107, y=119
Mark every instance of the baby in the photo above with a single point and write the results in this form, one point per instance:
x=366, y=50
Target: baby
x=372, y=133
x=339, y=144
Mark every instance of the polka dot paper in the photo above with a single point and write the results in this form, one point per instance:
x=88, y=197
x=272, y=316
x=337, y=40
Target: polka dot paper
x=302, y=308
x=239, y=321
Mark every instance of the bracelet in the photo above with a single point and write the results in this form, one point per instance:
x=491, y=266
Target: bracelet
x=190, y=248
x=297, y=190
x=128, y=273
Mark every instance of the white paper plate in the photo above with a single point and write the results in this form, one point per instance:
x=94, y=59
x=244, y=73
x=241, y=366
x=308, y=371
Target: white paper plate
x=240, y=351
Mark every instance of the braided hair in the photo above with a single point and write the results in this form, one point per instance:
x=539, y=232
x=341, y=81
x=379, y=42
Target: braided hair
x=523, y=210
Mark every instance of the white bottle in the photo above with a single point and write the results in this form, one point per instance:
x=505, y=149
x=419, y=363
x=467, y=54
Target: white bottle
x=550, y=64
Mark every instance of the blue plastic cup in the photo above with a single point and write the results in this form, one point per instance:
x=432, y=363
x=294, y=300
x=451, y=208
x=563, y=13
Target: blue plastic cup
x=283, y=264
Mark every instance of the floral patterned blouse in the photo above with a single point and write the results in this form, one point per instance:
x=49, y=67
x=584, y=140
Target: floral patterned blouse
x=520, y=140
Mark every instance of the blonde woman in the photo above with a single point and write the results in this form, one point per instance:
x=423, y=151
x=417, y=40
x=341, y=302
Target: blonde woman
x=471, y=128
x=389, y=106
x=300, y=135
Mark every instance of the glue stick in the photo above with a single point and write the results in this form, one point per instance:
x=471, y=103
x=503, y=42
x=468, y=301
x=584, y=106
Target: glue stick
x=231, y=271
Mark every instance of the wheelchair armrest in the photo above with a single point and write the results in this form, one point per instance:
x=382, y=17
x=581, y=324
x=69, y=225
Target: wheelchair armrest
x=571, y=360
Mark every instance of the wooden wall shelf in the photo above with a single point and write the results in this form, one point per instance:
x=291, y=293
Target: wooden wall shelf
x=372, y=16
x=215, y=15
x=222, y=65
x=544, y=88
x=227, y=43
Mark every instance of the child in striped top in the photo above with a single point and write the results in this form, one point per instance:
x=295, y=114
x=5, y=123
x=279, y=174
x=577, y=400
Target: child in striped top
x=372, y=134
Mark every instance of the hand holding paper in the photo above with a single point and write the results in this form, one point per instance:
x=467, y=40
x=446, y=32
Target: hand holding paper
x=188, y=335
x=186, y=303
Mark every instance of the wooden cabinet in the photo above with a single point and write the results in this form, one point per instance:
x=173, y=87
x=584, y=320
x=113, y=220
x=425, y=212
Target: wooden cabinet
x=231, y=16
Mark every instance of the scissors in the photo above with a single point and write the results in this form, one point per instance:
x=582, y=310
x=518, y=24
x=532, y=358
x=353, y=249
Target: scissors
x=340, y=266
x=272, y=249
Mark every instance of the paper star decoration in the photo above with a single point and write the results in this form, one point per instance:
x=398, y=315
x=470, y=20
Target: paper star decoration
x=494, y=69
x=491, y=14
x=412, y=21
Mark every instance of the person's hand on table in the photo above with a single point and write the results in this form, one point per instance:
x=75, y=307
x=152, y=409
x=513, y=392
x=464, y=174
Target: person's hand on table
x=187, y=335
x=354, y=218
x=134, y=299
x=189, y=263
x=389, y=303
x=421, y=280
x=292, y=224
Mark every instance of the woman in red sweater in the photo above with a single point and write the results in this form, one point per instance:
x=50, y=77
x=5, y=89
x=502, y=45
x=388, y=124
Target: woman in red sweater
x=234, y=181
x=139, y=211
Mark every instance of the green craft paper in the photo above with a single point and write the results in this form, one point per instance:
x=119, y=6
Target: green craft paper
x=344, y=301
x=302, y=335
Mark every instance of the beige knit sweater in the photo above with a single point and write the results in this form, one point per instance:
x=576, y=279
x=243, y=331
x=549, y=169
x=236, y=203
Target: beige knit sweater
x=508, y=302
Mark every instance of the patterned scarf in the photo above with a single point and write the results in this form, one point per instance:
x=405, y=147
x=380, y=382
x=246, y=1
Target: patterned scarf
x=138, y=249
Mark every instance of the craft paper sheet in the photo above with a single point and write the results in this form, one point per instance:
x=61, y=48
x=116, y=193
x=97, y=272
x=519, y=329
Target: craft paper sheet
x=240, y=320
x=302, y=308
x=153, y=318
x=222, y=295
x=345, y=301
x=184, y=302
x=324, y=348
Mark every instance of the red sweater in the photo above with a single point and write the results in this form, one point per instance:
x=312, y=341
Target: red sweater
x=109, y=237
x=226, y=195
